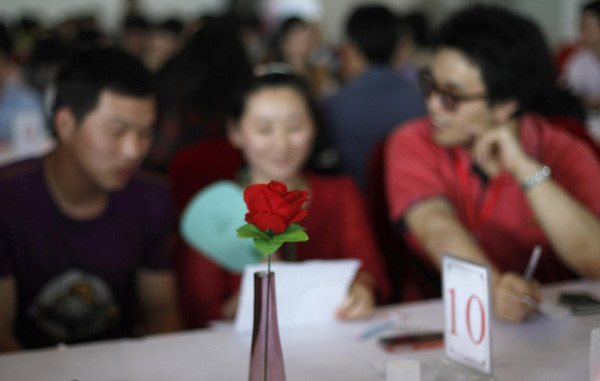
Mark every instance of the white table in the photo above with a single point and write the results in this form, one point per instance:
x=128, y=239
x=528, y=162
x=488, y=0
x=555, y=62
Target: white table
x=539, y=349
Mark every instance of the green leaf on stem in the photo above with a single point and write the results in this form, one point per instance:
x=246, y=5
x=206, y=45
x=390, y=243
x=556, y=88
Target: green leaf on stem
x=267, y=246
x=294, y=233
x=251, y=231
x=267, y=243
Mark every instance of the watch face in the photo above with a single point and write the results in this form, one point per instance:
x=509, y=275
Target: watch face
x=546, y=171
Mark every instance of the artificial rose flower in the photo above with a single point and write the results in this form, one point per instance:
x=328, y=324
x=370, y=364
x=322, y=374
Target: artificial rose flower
x=272, y=207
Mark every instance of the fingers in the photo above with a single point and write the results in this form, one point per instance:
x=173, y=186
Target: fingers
x=480, y=148
x=359, y=304
x=508, y=297
x=343, y=311
x=536, y=289
x=499, y=149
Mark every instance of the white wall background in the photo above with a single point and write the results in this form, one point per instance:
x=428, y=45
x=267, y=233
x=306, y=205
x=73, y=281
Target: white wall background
x=108, y=12
x=557, y=18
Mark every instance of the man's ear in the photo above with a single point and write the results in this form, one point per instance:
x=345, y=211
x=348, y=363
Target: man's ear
x=233, y=134
x=505, y=110
x=65, y=123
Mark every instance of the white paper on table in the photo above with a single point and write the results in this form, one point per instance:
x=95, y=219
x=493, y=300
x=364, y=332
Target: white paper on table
x=307, y=292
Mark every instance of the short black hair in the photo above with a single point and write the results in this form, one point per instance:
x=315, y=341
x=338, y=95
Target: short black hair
x=592, y=6
x=135, y=22
x=374, y=30
x=6, y=46
x=417, y=24
x=508, y=49
x=88, y=73
x=172, y=25
x=207, y=72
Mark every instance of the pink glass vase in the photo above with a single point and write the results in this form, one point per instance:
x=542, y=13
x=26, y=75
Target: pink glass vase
x=266, y=358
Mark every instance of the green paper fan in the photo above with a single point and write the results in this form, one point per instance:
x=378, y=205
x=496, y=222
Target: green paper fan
x=209, y=223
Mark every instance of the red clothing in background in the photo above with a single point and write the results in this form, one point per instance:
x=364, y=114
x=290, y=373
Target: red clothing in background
x=495, y=211
x=338, y=226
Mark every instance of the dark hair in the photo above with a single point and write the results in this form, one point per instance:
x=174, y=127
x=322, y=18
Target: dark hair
x=172, y=25
x=374, y=29
x=418, y=25
x=284, y=29
x=87, y=74
x=204, y=75
x=277, y=80
x=592, y=6
x=508, y=49
x=6, y=46
x=135, y=22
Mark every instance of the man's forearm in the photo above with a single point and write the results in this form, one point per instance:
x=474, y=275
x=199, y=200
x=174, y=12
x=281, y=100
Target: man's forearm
x=573, y=231
x=439, y=232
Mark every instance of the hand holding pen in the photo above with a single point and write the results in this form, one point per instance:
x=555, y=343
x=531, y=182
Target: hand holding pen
x=529, y=271
x=512, y=292
x=533, y=261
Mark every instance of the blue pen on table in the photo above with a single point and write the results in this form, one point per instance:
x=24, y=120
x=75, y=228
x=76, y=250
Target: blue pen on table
x=381, y=326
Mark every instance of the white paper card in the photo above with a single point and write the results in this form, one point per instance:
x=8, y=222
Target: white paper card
x=307, y=292
x=467, y=310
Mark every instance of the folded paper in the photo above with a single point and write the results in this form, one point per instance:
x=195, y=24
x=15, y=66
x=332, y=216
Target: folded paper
x=209, y=224
x=308, y=292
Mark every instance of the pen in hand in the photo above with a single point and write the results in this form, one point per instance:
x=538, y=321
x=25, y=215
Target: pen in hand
x=533, y=261
x=529, y=271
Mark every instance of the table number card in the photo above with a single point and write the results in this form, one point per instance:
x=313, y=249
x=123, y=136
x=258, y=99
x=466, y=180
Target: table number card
x=467, y=309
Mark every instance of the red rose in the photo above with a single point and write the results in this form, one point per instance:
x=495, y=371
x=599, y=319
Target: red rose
x=273, y=207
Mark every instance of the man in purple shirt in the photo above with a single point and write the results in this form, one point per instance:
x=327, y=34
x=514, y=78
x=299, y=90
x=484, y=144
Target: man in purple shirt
x=83, y=237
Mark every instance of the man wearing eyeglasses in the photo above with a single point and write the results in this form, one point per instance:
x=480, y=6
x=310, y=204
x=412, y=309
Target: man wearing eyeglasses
x=484, y=179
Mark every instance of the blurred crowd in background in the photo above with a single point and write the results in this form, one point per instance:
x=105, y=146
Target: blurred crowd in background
x=198, y=64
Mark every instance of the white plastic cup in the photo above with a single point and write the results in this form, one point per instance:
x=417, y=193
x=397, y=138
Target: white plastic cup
x=403, y=370
x=595, y=355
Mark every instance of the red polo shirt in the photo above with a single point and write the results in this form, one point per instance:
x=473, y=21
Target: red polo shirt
x=495, y=211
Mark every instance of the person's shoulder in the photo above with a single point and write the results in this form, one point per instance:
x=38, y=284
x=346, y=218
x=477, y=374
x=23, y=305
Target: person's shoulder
x=556, y=139
x=413, y=141
x=382, y=78
x=418, y=128
x=19, y=171
x=332, y=187
x=548, y=129
x=19, y=182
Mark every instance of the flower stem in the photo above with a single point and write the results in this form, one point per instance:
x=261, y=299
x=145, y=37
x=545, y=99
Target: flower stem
x=268, y=314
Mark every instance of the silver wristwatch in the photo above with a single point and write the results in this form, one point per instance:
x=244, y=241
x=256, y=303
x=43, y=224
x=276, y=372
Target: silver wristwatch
x=542, y=173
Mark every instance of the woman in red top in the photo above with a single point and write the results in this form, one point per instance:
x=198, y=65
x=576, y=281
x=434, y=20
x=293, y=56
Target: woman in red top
x=274, y=128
